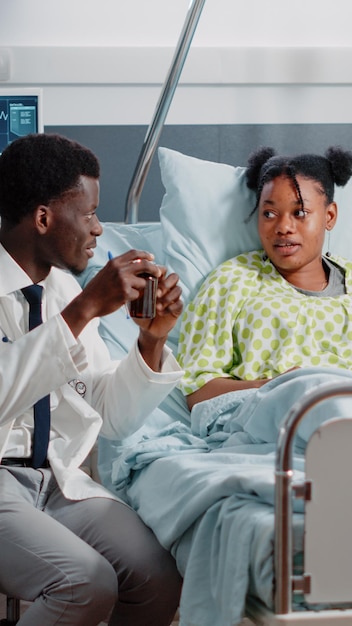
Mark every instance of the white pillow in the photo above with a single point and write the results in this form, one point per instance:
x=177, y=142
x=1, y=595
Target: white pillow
x=203, y=215
x=202, y=223
x=338, y=241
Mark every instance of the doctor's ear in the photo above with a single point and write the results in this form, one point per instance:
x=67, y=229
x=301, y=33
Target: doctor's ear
x=42, y=218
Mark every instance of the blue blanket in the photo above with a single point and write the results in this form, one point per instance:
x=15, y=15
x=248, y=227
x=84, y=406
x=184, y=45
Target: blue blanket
x=207, y=490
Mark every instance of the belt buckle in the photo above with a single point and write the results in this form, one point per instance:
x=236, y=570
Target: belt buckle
x=14, y=462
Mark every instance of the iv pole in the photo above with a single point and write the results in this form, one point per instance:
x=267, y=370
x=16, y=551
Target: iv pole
x=165, y=99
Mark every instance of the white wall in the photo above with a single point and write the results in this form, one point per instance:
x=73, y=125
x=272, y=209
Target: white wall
x=158, y=22
x=256, y=61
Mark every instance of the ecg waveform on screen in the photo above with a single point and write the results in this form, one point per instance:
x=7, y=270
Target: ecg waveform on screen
x=19, y=116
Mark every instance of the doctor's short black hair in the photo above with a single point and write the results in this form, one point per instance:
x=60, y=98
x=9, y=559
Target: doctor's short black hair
x=39, y=168
x=334, y=168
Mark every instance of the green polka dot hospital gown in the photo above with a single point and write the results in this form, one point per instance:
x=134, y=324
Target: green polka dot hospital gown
x=247, y=322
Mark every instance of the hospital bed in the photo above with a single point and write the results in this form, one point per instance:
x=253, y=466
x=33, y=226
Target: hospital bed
x=202, y=222
x=298, y=565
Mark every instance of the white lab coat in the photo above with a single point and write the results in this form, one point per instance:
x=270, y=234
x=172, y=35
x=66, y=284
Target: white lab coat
x=46, y=359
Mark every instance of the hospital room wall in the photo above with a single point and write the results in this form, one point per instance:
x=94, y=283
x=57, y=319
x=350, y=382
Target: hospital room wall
x=256, y=71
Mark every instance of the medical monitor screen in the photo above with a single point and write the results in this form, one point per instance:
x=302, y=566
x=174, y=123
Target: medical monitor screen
x=20, y=114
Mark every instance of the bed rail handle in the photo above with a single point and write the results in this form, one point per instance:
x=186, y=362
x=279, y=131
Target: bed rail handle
x=301, y=584
x=303, y=491
x=284, y=489
x=161, y=110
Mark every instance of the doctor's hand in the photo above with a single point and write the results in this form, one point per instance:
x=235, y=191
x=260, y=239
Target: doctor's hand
x=169, y=307
x=117, y=283
x=153, y=332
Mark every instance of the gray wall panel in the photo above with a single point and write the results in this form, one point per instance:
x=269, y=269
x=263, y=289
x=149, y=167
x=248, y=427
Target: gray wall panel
x=118, y=148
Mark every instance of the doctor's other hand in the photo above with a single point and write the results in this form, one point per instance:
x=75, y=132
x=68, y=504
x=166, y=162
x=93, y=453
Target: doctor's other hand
x=118, y=282
x=169, y=306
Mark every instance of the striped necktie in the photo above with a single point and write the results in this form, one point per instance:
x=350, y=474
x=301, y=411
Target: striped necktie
x=33, y=295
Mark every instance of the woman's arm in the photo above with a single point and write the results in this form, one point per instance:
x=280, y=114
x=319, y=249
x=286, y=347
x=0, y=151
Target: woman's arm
x=217, y=386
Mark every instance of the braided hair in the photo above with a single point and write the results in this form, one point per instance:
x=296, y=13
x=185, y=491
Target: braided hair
x=334, y=168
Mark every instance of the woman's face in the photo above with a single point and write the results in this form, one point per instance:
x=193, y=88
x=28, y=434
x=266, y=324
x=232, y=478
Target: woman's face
x=292, y=236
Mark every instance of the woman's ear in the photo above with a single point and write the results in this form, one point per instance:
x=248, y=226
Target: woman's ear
x=331, y=216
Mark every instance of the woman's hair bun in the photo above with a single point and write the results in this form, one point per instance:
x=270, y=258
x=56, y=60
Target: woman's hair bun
x=341, y=164
x=256, y=161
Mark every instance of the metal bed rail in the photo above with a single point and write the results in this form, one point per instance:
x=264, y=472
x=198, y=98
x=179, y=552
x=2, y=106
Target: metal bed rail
x=285, y=582
x=12, y=612
x=162, y=108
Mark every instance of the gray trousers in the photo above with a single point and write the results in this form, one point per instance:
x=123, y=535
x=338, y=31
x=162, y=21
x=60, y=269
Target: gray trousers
x=80, y=561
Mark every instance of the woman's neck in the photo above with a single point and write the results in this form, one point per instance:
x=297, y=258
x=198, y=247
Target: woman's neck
x=308, y=278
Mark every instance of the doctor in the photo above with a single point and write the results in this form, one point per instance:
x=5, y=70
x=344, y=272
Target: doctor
x=66, y=543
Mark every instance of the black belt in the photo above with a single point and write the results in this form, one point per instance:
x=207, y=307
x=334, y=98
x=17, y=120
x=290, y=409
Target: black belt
x=14, y=461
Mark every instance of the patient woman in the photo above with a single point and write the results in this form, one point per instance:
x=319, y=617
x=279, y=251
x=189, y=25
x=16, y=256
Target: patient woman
x=261, y=314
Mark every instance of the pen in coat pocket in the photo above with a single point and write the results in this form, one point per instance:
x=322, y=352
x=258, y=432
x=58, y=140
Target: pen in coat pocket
x=5, y=338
